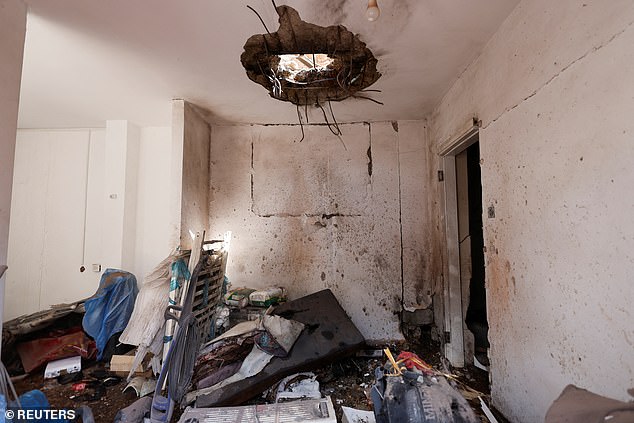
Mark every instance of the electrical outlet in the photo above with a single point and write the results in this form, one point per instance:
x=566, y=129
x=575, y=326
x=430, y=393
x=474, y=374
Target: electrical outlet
x=96, y=268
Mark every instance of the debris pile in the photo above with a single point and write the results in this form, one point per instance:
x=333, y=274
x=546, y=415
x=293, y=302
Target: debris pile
x=186, y=347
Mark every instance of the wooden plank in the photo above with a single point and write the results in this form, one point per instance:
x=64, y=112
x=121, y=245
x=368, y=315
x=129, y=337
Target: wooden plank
x=454, y=350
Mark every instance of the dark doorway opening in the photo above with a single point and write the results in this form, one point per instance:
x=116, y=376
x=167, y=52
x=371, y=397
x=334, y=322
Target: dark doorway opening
x=476, y=316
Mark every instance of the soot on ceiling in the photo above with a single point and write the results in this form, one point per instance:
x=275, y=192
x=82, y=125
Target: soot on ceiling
x=309, y=65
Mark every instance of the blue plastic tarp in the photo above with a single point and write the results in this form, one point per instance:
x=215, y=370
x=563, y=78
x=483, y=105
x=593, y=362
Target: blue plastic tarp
x=109, y=310
x=33, y=407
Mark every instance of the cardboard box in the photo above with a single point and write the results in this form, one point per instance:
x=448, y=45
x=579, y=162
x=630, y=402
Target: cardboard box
x=121, y=365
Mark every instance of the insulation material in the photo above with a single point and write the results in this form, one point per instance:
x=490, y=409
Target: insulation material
x=147, y=317
x=146, y=326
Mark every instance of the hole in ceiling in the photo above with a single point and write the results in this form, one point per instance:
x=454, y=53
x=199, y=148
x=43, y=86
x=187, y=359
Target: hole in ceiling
x=305, y=68
x=307, y=64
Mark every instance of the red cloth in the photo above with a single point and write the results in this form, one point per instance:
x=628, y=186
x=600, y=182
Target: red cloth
x=72, y=342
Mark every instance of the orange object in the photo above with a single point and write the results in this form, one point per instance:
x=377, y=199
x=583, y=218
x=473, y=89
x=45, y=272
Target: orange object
x=411, y=361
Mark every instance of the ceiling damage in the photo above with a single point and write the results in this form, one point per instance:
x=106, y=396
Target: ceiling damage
x=307, y=64
x=87, y=62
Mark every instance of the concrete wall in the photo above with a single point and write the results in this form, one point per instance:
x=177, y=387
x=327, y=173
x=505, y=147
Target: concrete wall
x=190, y=169
x=12, y=29
x=84, y=197
x=326, y=213
x=554, y=89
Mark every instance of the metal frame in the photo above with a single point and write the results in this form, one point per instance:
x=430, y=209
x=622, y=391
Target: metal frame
x=453, y=316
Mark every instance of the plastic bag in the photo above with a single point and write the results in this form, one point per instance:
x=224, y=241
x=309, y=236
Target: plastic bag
x=109, y=310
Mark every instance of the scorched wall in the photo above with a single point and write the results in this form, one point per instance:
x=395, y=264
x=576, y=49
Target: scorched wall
x=349, y=215
x=554, y=89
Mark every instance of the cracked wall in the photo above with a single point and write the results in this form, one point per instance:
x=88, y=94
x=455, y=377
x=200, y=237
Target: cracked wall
x=325, y=213
x=554, y=91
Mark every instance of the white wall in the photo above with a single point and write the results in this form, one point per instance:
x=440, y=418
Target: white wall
x=12, y=29
x=554, y=89
x=47, y=246
x=65, y=214
x=315, y=214
x=153, y=242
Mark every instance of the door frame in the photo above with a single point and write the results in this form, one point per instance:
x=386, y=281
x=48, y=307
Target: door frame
x=452, y=289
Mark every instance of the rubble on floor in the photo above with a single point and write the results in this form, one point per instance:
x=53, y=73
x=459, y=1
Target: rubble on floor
x=329, y=334
x=187, y=346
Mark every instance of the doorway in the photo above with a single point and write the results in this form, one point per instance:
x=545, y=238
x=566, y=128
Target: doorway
x=471, y=238
x=466, y=326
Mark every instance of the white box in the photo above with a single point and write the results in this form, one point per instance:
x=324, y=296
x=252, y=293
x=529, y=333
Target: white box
x=65, y=365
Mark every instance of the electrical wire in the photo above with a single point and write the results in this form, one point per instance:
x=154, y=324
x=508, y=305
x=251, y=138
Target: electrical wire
x=301, y=125
x=334, y=119
x=367, y=98
x=336, y=133
x=261, y=20
x=330, y=125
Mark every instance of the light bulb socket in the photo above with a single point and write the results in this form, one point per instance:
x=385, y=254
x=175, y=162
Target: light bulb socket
x=372, y=13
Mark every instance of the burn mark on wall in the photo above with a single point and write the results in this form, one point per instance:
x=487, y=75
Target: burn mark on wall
x=319, y=215
x=400, y=226
x=370, y=152
x=252, y=172
x=333, y=10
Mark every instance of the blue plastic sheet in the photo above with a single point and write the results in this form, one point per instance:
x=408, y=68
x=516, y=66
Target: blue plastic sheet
x=34, y=406
x=109, y=310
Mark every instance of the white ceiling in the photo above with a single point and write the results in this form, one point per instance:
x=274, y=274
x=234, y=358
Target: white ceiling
x=87, y=61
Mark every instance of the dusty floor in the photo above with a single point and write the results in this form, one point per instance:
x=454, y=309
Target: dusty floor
x=346, y=381
x=59, y=396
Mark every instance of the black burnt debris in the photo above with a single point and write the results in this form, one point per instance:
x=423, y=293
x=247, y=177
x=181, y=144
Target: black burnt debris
x=307, y=64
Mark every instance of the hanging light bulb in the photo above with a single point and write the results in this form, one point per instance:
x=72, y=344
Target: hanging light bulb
x=373, y=12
